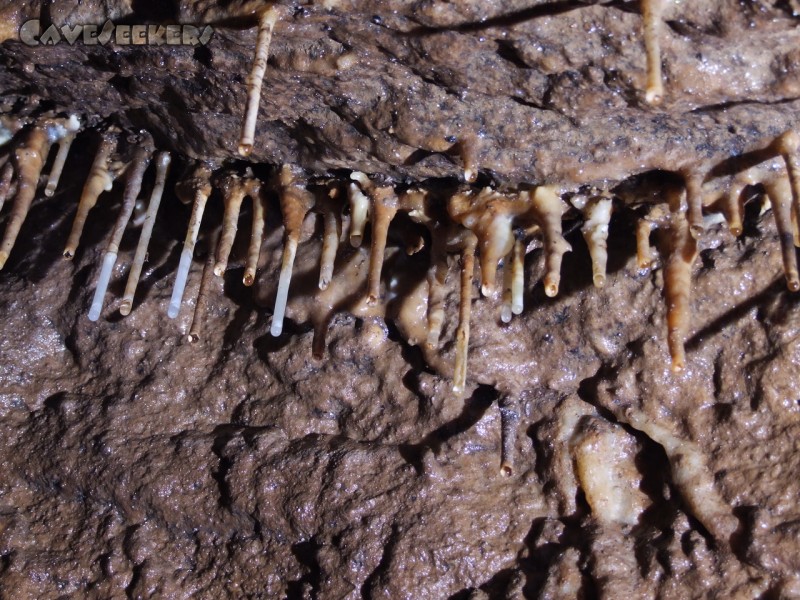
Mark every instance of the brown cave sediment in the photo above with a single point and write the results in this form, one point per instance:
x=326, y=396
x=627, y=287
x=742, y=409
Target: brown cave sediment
x=497, y=303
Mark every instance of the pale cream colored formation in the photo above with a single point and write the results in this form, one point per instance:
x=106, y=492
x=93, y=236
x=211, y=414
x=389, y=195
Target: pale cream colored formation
x=332, y=229
x=651, y=16
x=691, y=476
x=359, y=208
x=65, y=135
x=592, y=454
x=267, y=20
x=162, y=166
x=597, y=216
x=100, y=180
x=514, y=282
x=606, y=470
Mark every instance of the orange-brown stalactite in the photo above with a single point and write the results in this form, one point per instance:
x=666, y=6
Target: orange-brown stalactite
x=655, y=217
x=30, y=160
x=548, y=209
x=268, y=18
x=296, y=202
x=233, y=192
x=733, y=207
x=694, y=202
x=384, y=208
x=380, y=204
x=468, y=149
x=256, y=231
x=788, y=146
x=99, y=180
x=652, y=26
x=780, y=196
x=196, y=189
x=469, y=243
x=644, y=253
x=133, y=185
x=678, y=287
x=489, y=215
x=509, y=420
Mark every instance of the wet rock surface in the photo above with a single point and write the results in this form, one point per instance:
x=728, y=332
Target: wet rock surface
x=134, y=463
x=551, y=92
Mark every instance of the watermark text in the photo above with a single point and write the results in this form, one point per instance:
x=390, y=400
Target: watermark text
x=122, y=35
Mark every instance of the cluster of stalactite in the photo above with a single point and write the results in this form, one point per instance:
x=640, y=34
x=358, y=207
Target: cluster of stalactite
x=490, y=226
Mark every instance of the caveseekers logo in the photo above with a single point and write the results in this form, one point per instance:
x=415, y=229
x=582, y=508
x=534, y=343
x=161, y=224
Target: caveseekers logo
x=123, y=35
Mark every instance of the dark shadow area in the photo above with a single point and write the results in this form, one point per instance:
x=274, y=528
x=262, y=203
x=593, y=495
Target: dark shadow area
x=268, y=343
x=155, y=11
x=738, y=312
x=511, y=19
x=474, y=409
x=306, y=554
x=544, y=549
x=386, y=556
x=222, y=435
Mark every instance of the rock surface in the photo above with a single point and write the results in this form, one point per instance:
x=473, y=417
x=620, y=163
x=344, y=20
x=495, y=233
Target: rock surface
x=136, y=464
